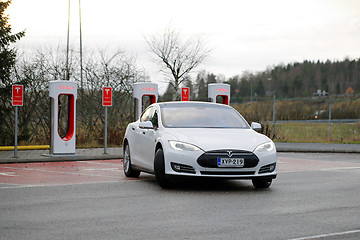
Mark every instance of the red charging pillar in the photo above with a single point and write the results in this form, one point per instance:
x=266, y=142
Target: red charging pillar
x=63, y=96
x=219, y=93
x=145, y=94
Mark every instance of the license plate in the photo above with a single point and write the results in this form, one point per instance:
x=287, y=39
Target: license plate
x=230, y=162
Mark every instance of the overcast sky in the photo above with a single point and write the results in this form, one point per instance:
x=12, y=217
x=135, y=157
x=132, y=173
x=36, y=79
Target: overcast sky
x=244, y=35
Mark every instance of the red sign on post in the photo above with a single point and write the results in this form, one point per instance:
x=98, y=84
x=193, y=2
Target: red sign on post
x=185, y=94
x=107, y=97
x=17, y=95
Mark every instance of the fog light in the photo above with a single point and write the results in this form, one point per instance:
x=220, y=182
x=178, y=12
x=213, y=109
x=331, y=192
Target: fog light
x=272, y=167
x=267, y=168
x=177, y=167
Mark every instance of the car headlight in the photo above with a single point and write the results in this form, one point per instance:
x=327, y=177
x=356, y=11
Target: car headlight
x=265, y=147
x=181, y=146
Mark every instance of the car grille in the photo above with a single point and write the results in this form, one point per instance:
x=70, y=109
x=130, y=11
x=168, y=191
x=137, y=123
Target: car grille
x=227, y=173
x=209, y=159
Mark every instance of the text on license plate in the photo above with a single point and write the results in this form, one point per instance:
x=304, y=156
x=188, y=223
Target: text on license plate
x=230, y=162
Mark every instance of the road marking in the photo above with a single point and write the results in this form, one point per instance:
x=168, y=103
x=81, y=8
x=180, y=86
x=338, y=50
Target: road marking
x=53, y=185
x=340, y=168
x=9, y=174
x=102, y=163
x=61, y=172
x=327, y=235
x=103, y=169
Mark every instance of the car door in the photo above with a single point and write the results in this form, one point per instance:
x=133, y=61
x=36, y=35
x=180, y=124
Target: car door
x=146, y=140
x=136, y=146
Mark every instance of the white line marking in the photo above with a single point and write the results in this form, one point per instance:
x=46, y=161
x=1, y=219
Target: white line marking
x=327, y=235
x=60, y=172
x=56, y=185
x=103, y=169
x=339, y=168
x=101, y=163
x=9, y=174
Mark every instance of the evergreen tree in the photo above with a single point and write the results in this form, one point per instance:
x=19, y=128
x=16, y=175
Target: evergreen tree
x=201, y=88
x=260, y=90
x=7, y=62
x=169, y=93
x=7, y=54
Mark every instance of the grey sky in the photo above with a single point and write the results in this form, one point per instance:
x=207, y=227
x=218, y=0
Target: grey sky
x=244, y=35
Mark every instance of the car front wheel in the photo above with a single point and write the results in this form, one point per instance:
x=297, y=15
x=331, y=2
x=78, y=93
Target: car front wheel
x=262, y=183
x=159, y=169
x=128, y=168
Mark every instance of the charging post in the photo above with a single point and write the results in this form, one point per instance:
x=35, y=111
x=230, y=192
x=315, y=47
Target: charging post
x=219, y=93
x=63, y=96
x=17, y=100
x=185, y=94
x=106, y=102
x=145, y=94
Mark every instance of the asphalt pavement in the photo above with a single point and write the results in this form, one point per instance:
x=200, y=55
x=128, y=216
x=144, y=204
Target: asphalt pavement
x=315, y=196
x=116, y=153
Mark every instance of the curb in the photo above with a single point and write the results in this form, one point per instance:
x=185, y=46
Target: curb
x=317, y=147
x=60, y=158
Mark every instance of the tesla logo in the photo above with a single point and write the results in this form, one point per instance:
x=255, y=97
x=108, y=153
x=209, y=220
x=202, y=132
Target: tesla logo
x=149, y=89
x=222, y=89
x=229, y=153
x=66, y=87
x=107, y=96
x=17, y=95
x=185, y=94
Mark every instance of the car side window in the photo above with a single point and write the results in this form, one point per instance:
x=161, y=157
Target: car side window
x=154, y=119
x=146, y=115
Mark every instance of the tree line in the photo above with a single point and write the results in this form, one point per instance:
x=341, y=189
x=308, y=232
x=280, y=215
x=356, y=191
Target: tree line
x=295, y=80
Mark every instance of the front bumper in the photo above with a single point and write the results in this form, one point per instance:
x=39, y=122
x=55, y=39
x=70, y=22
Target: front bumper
x=203, y=164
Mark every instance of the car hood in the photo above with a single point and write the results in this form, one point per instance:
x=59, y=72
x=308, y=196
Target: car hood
x=214, y=138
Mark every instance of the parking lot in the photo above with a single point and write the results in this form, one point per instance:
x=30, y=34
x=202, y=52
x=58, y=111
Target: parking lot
x=316, y=196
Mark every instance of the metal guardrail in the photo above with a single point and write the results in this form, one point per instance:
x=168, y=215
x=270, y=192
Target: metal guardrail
x=317, y=121
x=35, y=147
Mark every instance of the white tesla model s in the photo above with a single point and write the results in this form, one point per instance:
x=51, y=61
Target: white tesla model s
x=198, y=139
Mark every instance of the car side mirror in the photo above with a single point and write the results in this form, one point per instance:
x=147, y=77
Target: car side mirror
x=256, y=126
x=146, y=125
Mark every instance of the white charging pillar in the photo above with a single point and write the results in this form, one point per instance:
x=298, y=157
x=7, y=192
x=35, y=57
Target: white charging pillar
x=219, y=92
x=145, y=94
x=63, y=96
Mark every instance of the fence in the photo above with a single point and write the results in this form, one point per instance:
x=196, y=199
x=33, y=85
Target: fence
x=281, y=118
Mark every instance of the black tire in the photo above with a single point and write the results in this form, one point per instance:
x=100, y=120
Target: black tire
x=261, y=183
x=128, y=168
x=159, y=169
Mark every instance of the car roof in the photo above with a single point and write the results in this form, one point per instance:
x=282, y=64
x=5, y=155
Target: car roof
x=191, y=104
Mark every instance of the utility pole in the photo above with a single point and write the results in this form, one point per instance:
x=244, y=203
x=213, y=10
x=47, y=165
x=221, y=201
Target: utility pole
x=273, y=129
x=329, y=120
x=251, y=90
x=81, y=66
x=67, y=76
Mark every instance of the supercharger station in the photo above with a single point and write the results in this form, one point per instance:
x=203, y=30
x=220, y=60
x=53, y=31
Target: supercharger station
x=145, y=94
x=219, y=92
x=63, y=96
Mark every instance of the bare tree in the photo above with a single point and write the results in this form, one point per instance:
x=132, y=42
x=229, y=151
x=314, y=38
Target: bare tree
x=175, y=57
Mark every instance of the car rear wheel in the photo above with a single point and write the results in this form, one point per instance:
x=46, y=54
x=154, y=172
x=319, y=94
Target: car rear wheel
x=159, y=169
x=262, y=183
x=128, y=168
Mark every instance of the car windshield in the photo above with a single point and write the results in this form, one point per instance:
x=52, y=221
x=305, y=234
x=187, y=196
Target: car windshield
x=201, y=117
